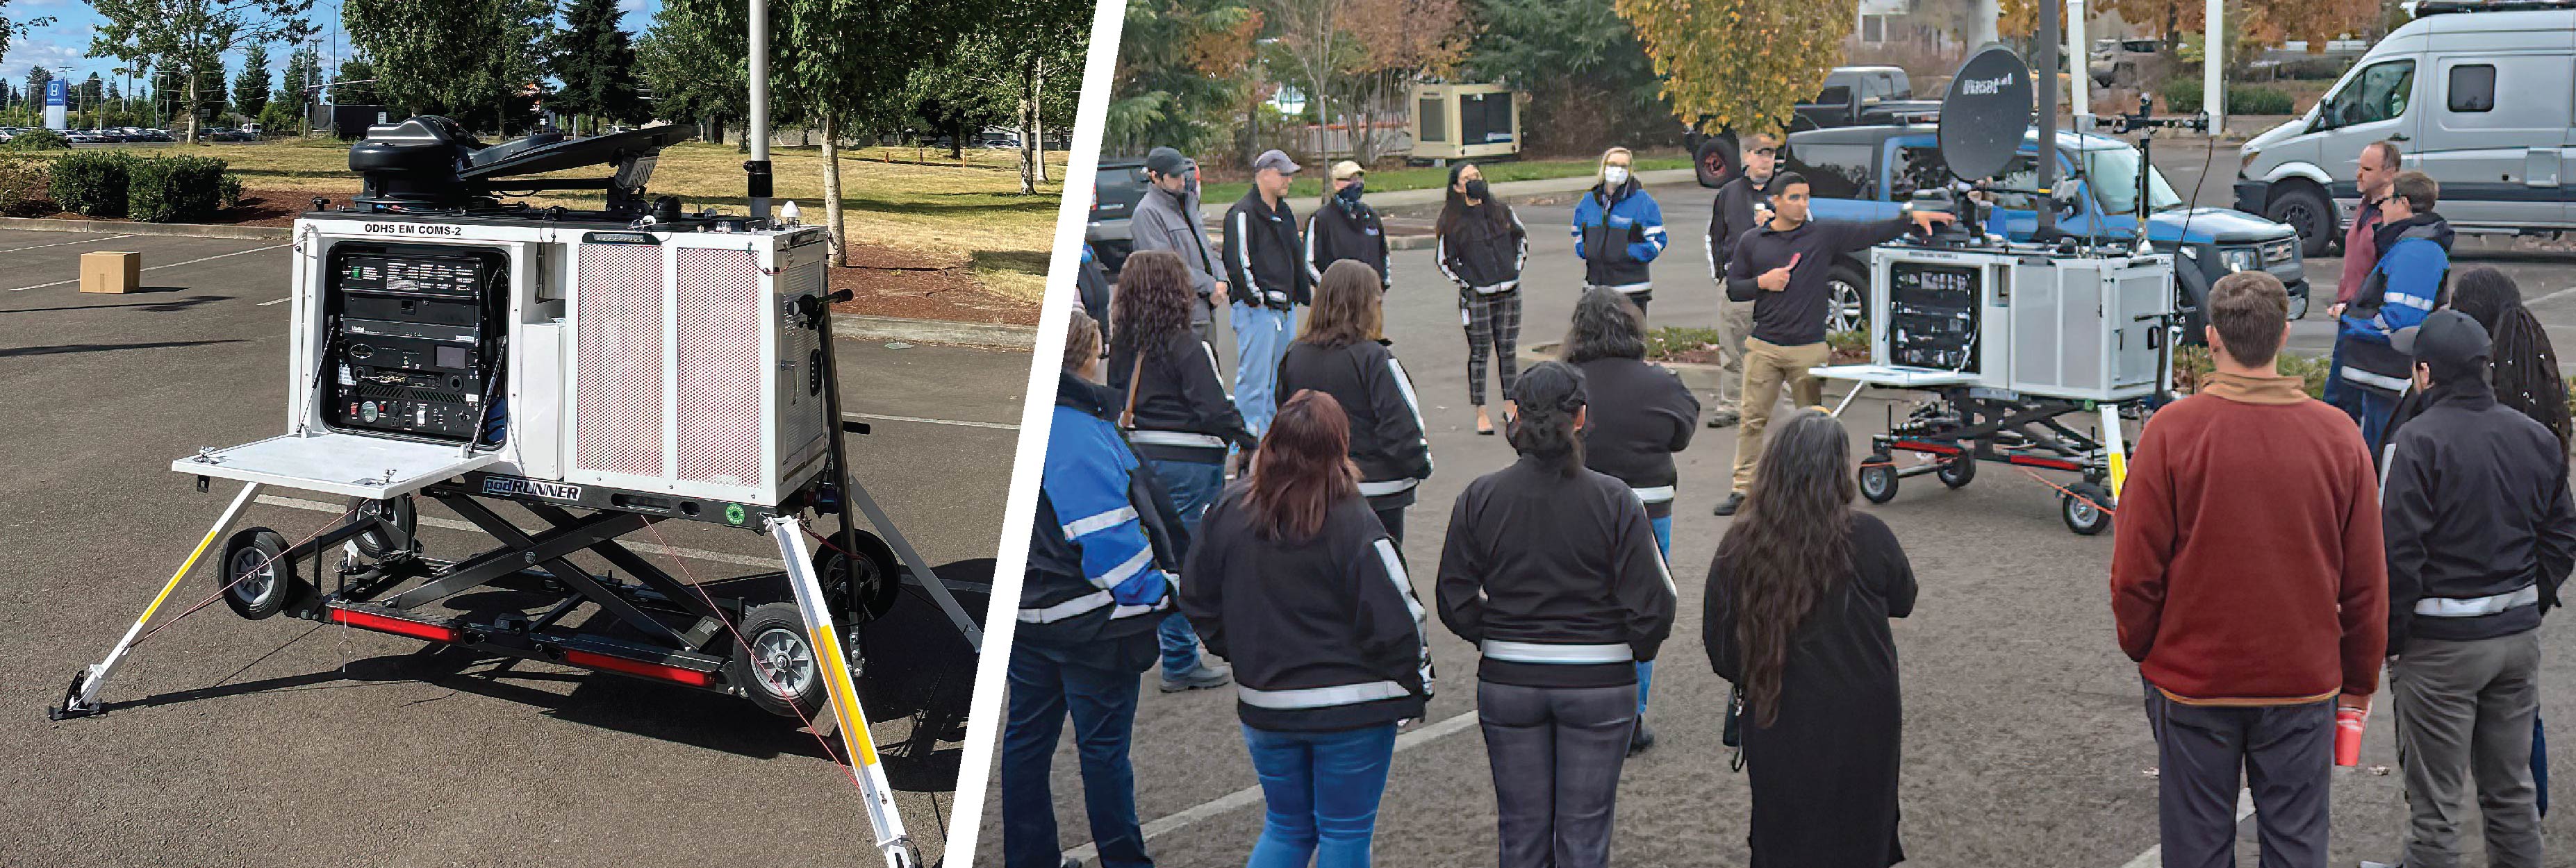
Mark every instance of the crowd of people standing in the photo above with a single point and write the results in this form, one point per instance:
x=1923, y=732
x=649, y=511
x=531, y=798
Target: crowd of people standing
x=2417, y=522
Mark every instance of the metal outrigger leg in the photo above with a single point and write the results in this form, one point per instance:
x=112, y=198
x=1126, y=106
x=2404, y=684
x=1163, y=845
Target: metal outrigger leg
x=883, y=819
x=81, y=700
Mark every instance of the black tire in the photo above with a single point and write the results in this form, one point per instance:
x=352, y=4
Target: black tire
x=879, y=579
x=1958, y=470
x=2305, y=208
x=1847, y=298
x=1717, y=160
x=399, y=512
x=2299, y=306
x=1878, y=479
x=779, y=646
x=257, y=578
x=2086, y=509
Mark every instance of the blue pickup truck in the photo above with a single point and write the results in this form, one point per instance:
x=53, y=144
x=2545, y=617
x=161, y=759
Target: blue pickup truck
x=1866, y=173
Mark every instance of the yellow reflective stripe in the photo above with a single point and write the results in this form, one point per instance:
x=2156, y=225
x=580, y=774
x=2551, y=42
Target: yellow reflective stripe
x=184, y=566
x=845, y=700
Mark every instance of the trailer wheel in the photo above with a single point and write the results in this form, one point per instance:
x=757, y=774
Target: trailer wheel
x=399, y=512
x=1958, y=470
x=876, y=575
x=2084, y=509
x=1878, y=479
x=780, y=672
x=257, y=577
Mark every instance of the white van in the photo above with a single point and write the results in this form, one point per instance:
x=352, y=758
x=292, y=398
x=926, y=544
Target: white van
x=2477, y=94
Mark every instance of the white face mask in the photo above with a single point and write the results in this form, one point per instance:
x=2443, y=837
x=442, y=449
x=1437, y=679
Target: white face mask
x=1616, y=175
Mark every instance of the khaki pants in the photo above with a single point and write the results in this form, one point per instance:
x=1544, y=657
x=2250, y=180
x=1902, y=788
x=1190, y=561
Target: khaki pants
x=1767, y=368
x=1734, y=324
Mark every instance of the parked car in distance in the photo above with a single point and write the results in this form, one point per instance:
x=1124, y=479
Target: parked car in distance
x=1851, y=96
x=1120, y=184
x=2475, y=93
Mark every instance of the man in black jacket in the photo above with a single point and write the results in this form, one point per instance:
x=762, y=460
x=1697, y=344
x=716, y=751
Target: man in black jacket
x=1742, y=205
x=2480, y=535
x=1265, y=262
x=1343, y=227
x=1782, y=269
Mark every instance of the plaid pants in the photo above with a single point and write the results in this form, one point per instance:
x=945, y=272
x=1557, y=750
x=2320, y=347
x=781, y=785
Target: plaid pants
x=1493, y=322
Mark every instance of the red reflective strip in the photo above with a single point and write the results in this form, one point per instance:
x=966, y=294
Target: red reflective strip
x=2050, y=463
x=399, y=626
x=691, y=677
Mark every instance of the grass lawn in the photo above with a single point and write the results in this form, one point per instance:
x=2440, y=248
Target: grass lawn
x=1310, y=181
x=968, y=212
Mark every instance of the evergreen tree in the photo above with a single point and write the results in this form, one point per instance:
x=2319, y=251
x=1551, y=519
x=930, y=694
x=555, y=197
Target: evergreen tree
x=303, y=71
x=250, y=89
x=596, y=63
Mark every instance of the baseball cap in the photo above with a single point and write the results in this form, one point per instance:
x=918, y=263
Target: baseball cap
x=1346, y=168
x=2448, y=340
x=1275, y=159
x=1165, y=161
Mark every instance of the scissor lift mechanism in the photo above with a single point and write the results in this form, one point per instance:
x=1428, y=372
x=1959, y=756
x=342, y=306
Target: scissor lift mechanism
x=786, y=653
x=1963, y=425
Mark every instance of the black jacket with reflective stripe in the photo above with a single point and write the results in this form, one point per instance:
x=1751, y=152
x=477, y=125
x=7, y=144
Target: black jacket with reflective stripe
x=1265, y=260
x=1386, y=418
x=1177, y=389
x=1640, y=415
x=2474, y=503
x=1341, y=230
x=1535, y=555
x=1309, y=623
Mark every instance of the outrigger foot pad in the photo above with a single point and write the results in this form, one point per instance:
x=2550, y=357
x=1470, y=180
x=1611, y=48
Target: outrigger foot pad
x=70, y=706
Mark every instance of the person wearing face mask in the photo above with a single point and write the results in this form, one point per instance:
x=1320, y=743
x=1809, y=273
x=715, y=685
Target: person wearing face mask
x=1346, y=228
x=1742, y=204
x=1262, y=256
x=1619, y=230
x=1168, y=219
x=1482, y=246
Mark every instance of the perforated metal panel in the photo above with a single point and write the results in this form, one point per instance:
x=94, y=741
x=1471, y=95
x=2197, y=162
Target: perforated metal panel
x=622, y=360
x=721, y=316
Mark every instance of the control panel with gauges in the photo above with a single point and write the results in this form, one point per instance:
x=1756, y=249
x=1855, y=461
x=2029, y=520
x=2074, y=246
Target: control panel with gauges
x=413, y=346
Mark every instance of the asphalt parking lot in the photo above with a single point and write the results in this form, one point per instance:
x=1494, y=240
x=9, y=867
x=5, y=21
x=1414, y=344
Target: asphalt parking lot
x=285, y=742
x=2025, y=743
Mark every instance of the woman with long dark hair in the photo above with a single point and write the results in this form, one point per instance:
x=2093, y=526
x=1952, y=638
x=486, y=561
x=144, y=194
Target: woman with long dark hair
x=2525, y=367
x=1293, y=581
x=1176, y=415
x=1482, y=246
x=1551, y=569
x=1342, y=352
x=1799, y=598
x=1641, y=415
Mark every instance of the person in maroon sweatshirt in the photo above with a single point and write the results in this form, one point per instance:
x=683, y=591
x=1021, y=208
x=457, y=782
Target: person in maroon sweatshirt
x=2250, y=586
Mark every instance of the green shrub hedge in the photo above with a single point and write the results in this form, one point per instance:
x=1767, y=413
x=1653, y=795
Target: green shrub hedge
x=2182, y=96
x=39, y=139
x=228, y=191
x=22, y=187
x=91, y=182
x=176, y=189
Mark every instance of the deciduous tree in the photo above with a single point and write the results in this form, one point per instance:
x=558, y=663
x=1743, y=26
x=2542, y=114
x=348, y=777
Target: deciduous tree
x=192, y=35
x=1743, y=64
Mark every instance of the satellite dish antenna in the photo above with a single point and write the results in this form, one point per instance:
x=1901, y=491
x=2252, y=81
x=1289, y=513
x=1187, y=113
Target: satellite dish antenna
x=1985, y=113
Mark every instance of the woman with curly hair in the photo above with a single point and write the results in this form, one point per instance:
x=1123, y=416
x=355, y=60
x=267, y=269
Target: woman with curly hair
x=1798, y=602
x=1176, y=415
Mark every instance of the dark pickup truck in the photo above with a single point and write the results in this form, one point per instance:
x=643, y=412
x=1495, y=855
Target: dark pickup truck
x=1852, y=96
x=1119, y=186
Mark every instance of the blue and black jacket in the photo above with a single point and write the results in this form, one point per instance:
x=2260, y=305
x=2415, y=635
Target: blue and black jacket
x=1106, y=540
x=1617, y=232
x=2406, y=286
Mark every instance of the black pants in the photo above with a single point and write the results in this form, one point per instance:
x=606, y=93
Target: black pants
x=2281, y=752
x=1556, y=753
x=1392, y=517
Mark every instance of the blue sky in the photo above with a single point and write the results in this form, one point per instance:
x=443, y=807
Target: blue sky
x=66, y=41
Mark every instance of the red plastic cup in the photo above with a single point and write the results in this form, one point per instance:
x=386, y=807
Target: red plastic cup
x=2348, y=725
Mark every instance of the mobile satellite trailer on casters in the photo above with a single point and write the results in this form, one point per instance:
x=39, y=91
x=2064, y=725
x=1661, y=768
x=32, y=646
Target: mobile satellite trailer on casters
x=605, y=371
x=2010, y=338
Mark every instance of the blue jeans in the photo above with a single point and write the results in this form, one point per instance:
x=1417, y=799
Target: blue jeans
x=1646, y=668
x=1261, y=337
x=2540, y=761
x=2337, y=393
x=1193, y=485
x=1047, y=685
x=2372, y=411
x=1322, y=789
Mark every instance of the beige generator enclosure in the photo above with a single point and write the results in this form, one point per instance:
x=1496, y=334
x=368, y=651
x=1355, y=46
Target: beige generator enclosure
x=1465, y=121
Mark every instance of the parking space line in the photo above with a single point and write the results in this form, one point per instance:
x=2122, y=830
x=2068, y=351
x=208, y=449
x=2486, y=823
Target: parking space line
x=159, y=267
x=62, y=243
x=928, y=421
x=1251, y=795
x=279, y=301
x=674, y=551
x=2549, y=296
x=2156, y=855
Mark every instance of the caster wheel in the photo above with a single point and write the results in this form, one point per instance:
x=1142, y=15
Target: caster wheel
x=1878, y=479
x=399, y=512
x=876, y=574
x=780, y=672
x=258, y=578
x=2084, y=510
x=1957, y=470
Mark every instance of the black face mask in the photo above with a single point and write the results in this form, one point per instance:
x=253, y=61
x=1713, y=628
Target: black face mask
x=1477, y=190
